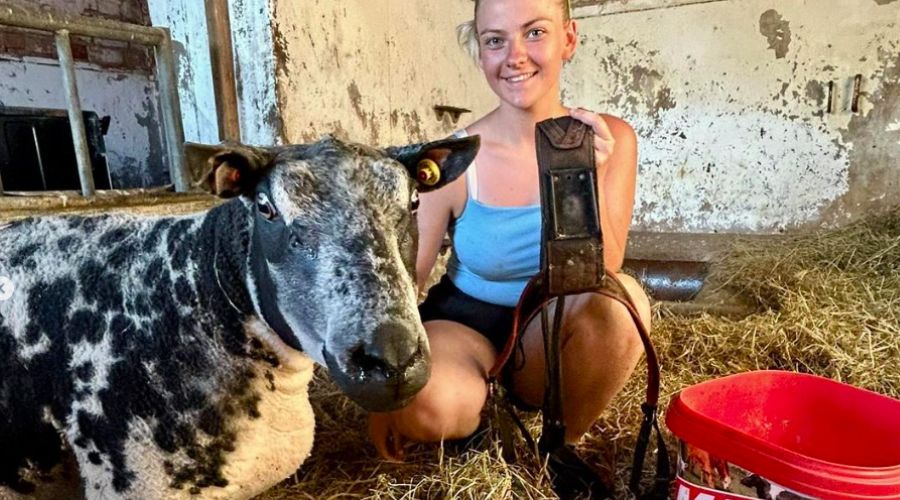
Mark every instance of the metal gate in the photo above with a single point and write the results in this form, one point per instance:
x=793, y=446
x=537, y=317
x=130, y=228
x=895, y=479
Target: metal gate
x=63, y=26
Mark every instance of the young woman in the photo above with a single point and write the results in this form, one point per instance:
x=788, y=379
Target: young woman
x=494, y=219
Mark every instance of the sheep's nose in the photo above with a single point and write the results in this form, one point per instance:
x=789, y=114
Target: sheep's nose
x=391, y=350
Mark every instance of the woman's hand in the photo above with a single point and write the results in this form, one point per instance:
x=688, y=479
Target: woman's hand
x=386, y=437
x=604, y=143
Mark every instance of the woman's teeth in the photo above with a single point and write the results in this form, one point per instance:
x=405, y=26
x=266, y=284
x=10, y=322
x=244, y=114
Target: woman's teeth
x=520, y=78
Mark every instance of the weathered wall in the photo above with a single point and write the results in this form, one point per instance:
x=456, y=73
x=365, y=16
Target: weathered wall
x=114, y=79
x=729, y=101
x=187, y=25
x=372, y=70
x=255, y=71
x=728, y=96
x=254, y=68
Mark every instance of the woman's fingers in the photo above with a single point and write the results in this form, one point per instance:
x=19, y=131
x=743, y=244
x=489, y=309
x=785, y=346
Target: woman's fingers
x=596, y=122
x=385, y=436
x=604, y=144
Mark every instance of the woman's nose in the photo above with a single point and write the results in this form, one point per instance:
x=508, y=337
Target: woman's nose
x=517, y=53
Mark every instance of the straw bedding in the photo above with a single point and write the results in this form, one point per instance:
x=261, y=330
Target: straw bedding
x=829, y=304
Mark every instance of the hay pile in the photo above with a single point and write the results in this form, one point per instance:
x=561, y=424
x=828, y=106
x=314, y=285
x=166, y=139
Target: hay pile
x=829, y=305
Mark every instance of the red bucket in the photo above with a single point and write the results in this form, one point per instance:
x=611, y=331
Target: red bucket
x=764, y=433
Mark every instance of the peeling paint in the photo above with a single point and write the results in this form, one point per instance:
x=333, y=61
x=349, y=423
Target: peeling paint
x=254, y=70
x=357, y=66
x=191, y=48
x=777, y=32
x=874, y=182
x=815, y=91
x=749, y=146
x=151, y=177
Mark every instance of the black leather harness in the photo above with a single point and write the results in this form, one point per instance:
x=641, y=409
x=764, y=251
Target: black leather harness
x=571, y=263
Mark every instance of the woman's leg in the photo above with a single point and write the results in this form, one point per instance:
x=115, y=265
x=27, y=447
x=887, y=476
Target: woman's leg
x=449, y=406
x=600, y=348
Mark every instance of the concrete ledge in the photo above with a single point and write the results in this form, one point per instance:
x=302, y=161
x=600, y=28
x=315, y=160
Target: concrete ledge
x=689, y=247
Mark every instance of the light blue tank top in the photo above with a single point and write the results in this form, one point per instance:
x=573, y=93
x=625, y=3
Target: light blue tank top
x=496, y=250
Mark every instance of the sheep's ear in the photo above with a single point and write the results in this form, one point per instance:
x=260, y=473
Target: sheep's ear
x=232, y=169
x=435, y=164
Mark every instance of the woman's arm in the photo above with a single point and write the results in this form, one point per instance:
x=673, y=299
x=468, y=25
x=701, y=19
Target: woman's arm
x=434, y=214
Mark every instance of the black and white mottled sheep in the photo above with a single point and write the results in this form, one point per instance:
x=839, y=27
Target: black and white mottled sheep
x=170, y=356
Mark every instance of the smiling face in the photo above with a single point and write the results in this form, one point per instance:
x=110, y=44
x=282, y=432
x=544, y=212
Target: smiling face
x=522, y=45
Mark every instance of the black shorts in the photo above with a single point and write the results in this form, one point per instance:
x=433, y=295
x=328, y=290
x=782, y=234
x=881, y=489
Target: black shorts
x=447, y=302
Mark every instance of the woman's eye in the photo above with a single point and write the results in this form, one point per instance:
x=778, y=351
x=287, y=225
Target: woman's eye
x=492, y=42
x=535, y=33
x=414, y=201
x=265, y=207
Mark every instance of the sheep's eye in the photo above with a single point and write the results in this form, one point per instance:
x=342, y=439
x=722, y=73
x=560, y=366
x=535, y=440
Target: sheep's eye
x=265, y=207
x=414, y=201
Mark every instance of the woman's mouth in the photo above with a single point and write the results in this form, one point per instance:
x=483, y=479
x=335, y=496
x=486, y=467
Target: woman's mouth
x=520, y=78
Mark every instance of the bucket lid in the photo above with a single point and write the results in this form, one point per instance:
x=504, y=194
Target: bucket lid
x=816, y=436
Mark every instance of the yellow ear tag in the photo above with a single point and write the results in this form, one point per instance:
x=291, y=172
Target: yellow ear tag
x=429, y=173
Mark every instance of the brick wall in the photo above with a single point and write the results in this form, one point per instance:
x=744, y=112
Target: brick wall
x=109, y=54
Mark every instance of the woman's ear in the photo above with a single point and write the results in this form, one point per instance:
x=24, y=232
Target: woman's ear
x=571, y=40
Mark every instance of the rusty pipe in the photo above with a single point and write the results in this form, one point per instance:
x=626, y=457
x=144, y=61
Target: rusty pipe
x=221, y=54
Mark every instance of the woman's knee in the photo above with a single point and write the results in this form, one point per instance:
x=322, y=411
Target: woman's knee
x=449, y=406
x=443, y=411
x=638, y=296
x=593, y=309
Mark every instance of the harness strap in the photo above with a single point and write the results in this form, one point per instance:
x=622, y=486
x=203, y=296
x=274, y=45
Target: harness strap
x=572, y=262
x=531, y=303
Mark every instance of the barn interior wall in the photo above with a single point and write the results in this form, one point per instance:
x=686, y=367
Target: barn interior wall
x=114, y=79
x=254, y=57
x=729, y=98
x=373, y=70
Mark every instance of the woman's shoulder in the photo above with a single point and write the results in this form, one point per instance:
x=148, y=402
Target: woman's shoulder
x=484, y=125
x=621, y=130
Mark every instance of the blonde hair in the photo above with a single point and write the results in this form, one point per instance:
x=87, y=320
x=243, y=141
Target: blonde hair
x=467, y=32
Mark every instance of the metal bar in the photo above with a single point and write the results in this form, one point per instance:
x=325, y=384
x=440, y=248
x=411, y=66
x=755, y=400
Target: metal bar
x=171, y=111
x=830, y=107
x=76, y=118
x=40, y=159
x=218, y=25
x=22, y=17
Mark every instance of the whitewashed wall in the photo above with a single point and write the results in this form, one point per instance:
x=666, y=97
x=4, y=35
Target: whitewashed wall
x=372, y=70
x=254, y=57
x=729, y=100
x=186, y=21
x=728, y=97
